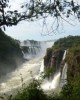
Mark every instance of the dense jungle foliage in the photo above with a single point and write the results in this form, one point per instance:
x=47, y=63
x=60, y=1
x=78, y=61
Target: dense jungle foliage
x=10, y=53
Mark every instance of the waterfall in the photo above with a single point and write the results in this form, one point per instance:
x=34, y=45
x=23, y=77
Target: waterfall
x=53, y=84
x=31, y=48
x=58, y=80
x=64, y=72
x=64, y=55
x=63, y=80
x=49, y=85
x=42, y=67
x=36, y=66
x=41, y=71
x=64, y=75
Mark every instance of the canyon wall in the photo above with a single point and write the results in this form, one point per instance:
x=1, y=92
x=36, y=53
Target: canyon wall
x=54, y=56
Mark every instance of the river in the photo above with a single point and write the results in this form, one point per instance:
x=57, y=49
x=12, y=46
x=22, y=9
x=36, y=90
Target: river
x=23, y=74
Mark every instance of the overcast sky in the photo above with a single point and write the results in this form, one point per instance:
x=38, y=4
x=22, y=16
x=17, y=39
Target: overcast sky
x=33, y=30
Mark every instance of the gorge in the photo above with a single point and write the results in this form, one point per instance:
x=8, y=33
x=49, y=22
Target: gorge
x=35, y=67
x=55, y=64
x=33, y=53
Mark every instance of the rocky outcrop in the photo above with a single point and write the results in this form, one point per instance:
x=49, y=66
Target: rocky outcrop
x=53, y=59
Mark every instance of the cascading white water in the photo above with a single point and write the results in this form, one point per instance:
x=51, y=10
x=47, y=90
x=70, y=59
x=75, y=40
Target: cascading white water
x=13, y=79
x=53, y=84
x=58, y=80
x=64, y=76
x=41, y=71
x=64, y=72
x=48, y=85
x=64, y=54
x=31, y=48
x=63, y=80
x=36, y=66
x=42, y=67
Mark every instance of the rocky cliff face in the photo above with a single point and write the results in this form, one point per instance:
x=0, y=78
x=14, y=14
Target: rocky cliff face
x=73, y=60
x=53, y=59
x=54, y=55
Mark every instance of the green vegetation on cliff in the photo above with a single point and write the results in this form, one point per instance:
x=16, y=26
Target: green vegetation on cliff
x=10, y=53
x=71, y=91
x=72, y=45
x=67, y=42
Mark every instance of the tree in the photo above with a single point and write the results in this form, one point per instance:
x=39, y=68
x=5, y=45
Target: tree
x=37, y=9
x=8, y=18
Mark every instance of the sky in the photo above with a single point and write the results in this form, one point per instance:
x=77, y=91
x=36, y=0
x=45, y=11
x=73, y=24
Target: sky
x=36, y=31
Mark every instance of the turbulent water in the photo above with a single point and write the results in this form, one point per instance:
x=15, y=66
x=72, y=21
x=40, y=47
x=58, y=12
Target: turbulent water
x=42, y=67
x=32, y=69
x=14, y=78
x=24, y=73
x=52, y=85
x=34, y=48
